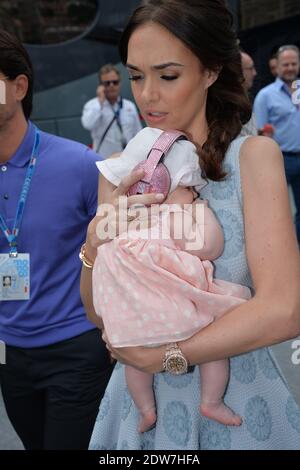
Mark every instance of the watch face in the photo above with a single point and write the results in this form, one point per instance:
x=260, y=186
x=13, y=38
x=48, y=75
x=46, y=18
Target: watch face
x=176, y=364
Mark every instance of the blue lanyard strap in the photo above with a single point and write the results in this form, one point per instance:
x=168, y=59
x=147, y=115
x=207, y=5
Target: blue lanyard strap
x=117, y=117
x=118, y=110
x=12, y=236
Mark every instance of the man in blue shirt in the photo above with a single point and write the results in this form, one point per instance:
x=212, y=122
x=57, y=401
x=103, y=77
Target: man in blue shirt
x=278, y=104
x=57, y=366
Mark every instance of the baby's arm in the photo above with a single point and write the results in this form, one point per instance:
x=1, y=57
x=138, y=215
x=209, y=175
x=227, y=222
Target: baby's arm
x=202, y=234
x=213, y=244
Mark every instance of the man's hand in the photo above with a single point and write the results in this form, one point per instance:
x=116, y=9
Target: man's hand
x=267, y=131
x=100, y=94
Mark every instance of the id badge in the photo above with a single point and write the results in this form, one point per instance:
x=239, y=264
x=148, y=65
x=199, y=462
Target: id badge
x=14, y=277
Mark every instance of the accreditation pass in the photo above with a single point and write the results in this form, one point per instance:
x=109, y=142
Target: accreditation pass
x=14, y=277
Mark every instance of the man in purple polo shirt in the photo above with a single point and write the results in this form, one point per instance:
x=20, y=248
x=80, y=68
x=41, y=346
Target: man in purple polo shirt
x=57, y=367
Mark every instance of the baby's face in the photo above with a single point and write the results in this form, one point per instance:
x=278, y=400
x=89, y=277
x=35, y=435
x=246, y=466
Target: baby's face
x=182, y=195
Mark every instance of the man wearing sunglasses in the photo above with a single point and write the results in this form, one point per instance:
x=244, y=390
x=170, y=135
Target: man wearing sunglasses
x=111, y=119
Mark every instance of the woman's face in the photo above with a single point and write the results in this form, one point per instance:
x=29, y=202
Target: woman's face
x=168, y=81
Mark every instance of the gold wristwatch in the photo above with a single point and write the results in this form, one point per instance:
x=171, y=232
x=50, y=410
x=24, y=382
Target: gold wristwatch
x=175, y=362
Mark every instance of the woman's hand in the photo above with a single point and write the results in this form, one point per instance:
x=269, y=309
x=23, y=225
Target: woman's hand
x=112, y=215
x=145, y=359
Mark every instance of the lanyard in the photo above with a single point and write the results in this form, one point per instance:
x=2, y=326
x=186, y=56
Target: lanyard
x=117, y=111
x=12, y=236
x=117, y=118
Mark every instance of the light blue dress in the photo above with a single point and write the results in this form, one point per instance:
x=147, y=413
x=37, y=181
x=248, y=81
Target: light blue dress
x=256, y=390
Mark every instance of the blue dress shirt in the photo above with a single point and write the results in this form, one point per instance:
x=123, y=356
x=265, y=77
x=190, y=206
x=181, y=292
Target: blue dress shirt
x=274, y=105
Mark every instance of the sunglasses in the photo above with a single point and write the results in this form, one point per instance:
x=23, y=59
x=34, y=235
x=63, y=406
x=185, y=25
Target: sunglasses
x=106, y=83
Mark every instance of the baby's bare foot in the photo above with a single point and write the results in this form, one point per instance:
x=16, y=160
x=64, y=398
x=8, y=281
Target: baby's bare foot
x=147, y=420
x=221, y=413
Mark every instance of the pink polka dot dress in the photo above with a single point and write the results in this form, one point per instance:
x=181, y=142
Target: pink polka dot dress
x=149, y=292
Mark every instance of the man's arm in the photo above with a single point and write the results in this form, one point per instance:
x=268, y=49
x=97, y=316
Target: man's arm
x=91, y=114
x=261, y=110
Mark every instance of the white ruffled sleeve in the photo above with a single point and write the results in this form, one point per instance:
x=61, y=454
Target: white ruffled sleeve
x=137, y=149
x=183, y=164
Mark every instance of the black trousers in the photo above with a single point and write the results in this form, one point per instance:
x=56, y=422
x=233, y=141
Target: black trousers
x=52, y=394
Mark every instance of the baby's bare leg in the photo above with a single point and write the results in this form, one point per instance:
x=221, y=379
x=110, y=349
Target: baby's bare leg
x=140, y=386
x=214, y=378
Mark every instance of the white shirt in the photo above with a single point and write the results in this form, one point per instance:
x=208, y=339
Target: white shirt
x=182, y=160
x=96, y=119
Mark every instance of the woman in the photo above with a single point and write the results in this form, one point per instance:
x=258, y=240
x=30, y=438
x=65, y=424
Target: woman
x=184, y=64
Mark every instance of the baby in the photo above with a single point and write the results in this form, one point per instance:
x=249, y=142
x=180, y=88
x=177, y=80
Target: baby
x=151, y=287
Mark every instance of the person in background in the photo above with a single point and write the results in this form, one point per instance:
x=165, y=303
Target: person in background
x=278, y=105
x=57, y=367
x=249, y=74
x=249, y=70
x=111, y=119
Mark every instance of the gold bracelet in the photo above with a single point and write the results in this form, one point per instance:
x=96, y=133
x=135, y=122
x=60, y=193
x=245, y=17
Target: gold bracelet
x=85, y=261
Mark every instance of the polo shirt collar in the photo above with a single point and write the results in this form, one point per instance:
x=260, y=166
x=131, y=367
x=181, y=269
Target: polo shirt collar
x=23, y=153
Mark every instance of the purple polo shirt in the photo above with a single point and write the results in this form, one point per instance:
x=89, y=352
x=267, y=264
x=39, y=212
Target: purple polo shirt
x=62, y=200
